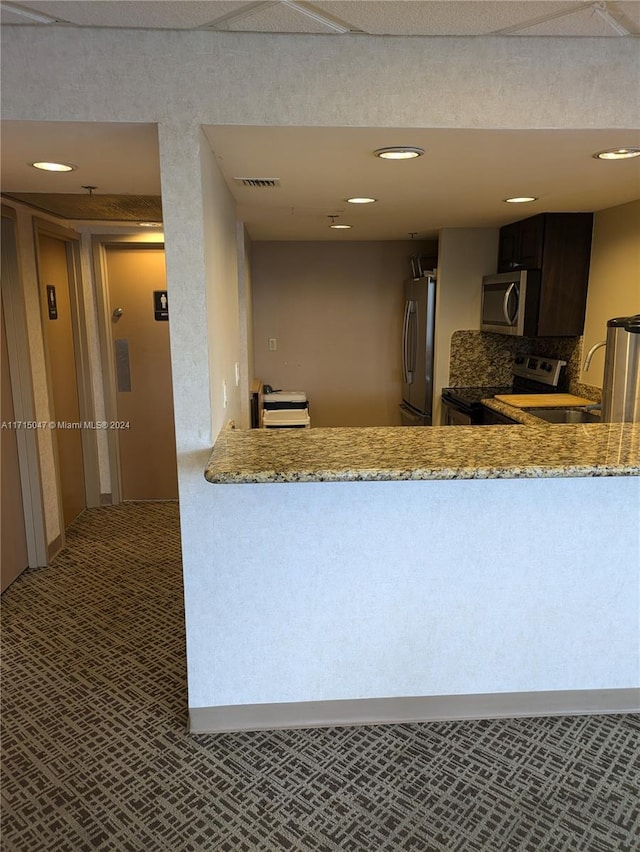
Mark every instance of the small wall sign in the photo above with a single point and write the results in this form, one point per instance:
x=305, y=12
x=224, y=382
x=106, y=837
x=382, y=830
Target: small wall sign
x=160, y=305
x=52, y=303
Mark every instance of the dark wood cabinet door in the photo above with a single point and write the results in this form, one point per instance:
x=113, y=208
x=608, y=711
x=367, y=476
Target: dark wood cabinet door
x=531, y=242
x=507, y=248
x=565, y=274
x=558, y=244
x=521, y=244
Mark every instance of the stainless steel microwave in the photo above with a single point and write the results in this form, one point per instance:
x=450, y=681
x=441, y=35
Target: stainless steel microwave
x=510, y=302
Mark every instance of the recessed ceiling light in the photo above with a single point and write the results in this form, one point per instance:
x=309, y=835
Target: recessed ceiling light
x=362, y=200
x=520, y=199
x=617, y=154
x=339, y=227
x=149, y=224
x=399, y=153
x=53, y=167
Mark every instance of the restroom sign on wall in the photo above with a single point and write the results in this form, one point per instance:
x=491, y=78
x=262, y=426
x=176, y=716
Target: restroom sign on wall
x=160, y=305
x=52, y=304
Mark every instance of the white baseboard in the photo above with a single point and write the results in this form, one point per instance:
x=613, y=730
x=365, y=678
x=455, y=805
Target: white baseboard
x=376, y=711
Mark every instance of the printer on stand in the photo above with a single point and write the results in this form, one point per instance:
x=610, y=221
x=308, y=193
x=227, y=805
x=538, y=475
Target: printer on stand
x=285, y=410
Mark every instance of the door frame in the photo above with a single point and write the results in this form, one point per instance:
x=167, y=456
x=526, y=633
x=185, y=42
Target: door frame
x=71, y=240
x=100, y=244
x=20, y=368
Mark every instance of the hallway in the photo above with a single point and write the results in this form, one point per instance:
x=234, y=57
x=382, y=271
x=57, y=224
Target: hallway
x=96, y=755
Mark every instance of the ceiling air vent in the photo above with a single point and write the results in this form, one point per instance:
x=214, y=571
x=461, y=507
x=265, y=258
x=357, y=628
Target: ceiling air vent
x=257, y=183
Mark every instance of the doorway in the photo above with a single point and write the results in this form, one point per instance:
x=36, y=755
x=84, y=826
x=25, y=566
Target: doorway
x=62, y=357
x=141, y=423
x=14, y=557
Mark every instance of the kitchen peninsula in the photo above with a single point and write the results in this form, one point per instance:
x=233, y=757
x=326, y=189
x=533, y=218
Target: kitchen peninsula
x=360, y=576
x=425, y=453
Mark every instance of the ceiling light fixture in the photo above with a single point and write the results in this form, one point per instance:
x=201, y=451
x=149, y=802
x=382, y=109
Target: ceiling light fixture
x=399, y=153
x=617, y=154
x=363, y=200
x=53, y=167
x=149, y=224
x=520, y=199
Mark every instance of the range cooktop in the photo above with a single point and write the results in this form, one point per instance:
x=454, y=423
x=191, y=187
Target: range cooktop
x=531, y=374
x=468, y=398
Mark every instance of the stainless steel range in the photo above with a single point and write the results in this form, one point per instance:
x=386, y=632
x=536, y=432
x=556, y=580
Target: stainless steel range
x=531, y=374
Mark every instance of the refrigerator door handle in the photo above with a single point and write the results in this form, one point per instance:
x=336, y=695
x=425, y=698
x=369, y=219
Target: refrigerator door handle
x=407, y=374
x=409, y=341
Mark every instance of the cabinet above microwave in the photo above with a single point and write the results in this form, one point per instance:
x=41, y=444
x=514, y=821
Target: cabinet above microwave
x=559, y=245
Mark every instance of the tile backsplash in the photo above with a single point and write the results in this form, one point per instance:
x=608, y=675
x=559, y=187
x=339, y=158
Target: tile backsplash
x=479, y=359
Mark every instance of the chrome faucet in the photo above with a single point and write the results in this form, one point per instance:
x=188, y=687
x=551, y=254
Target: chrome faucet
x=591, y=352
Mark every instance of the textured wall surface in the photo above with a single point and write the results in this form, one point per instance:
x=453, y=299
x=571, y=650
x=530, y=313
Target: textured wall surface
x=245, y=78
x=182, y=80
x=358, y=590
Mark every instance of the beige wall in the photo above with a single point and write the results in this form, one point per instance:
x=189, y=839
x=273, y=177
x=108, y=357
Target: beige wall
x=614, y=278
x=336, y=311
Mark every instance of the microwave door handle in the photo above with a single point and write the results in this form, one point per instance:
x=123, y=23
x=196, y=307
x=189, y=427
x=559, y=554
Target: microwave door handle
x=505, y=303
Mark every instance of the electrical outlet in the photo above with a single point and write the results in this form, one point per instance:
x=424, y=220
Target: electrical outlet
x=273, y=344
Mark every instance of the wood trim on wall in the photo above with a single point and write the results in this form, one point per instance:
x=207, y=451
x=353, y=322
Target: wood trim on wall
x=43, y=227
x=23, y=396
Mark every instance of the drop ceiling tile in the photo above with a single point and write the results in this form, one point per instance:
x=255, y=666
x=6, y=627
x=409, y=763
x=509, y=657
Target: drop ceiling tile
x=145, y=14
x=584, y=22
x=275, y=18
x=378, y=17
x=8, y=16
x=628, y=13
x=443, y=17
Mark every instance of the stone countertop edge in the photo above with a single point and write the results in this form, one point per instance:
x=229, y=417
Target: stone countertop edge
x=399, y=453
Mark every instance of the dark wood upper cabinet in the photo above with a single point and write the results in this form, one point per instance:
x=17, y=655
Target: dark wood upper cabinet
x=559, y=245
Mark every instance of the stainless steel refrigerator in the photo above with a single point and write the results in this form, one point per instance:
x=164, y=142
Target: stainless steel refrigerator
x=418, y=328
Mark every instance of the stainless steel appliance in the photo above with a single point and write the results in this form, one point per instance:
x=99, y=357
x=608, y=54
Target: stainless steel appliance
x=463, y=406
x=621, y=384
x=417, y=351
x=531, y=374
x=510, y=302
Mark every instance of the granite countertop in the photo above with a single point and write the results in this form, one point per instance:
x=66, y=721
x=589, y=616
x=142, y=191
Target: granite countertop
x=421, y=453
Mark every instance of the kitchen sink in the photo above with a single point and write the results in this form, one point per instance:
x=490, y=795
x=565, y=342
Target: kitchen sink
x=564, y=415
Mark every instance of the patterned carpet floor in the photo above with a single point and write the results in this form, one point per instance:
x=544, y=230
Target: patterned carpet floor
x=96, y=755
